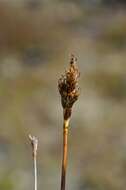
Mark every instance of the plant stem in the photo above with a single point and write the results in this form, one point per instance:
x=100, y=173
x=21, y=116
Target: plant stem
x=34, y=144
x=35, y=172
x=65, y=153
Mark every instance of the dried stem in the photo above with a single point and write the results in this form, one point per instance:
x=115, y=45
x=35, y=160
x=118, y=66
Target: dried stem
x=34, y=144
x=65, y=153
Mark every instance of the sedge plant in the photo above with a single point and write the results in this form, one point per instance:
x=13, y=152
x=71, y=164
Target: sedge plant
x=69, y=91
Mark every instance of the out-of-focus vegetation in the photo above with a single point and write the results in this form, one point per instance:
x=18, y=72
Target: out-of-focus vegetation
x=36, y=39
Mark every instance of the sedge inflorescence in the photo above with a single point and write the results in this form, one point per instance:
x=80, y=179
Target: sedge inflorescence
x=68, y=87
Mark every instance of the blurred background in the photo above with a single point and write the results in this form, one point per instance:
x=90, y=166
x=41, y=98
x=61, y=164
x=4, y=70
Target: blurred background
x=36, y=40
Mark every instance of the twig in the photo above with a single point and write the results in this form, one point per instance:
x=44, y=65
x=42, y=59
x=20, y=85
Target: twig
x=34, y=144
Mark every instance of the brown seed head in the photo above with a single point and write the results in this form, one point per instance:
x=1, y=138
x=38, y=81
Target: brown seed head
x=68, y=87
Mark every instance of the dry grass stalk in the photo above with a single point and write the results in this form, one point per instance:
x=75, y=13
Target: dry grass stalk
x=69, y=91
x=34, y=144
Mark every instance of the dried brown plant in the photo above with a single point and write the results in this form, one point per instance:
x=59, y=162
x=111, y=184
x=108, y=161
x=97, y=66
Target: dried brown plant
x=68, y=87
x=69, y=91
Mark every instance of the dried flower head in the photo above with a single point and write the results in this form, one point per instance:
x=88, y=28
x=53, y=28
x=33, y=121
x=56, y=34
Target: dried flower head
x=34, y=144
x=68, y=87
